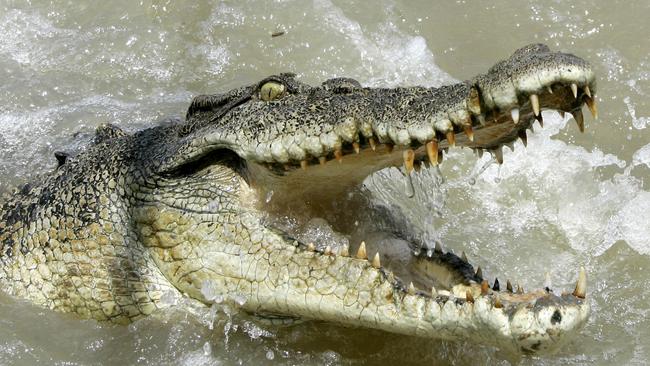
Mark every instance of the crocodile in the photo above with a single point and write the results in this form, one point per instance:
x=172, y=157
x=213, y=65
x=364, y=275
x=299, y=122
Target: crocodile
x=197, y=204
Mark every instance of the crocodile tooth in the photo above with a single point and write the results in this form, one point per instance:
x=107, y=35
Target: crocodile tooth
x=581, y=285
x=574, y=90
x=479, y=272
x=497, y=286
x=540, y=120
x=361, y=253
x=509, y=286
x=515, y=115
x=357, y=148
x=303, y=164
x=484, y=287
x=328, y=250
x=534, y=101
x=389, y=147
x=463, y=256
x=524, y=138
x=338, y=154
x=498, y=154
x=411, y=289
x=580, y=119
x=481, y=119
x=549, y=89
x=591, y=104
x=432, y=151
x=438, y=247
x=469, y=132
x=469, y=297
x=345, y=251
x=434, y=293
x=497, y=303
x=311, y=247
x=587, y=91
x=322, y=160
x=376, y=262
x=373, y=143
x=451, y=138
x=520, y=290
x=409, y=158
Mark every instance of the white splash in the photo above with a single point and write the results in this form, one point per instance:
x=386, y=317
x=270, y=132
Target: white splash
x=549, y=186
x=638, y=122
x=388, y=57
x=641, y=157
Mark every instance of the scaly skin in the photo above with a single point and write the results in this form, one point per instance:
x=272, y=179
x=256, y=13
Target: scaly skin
x=175, y=208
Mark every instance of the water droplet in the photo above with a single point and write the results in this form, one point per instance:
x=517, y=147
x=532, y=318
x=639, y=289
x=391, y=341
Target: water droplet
x=410, y=191
x=211, y=292
x=207, y=349
x=497, y=179
x=240, y=300
x=169, y=298
x=270, y=355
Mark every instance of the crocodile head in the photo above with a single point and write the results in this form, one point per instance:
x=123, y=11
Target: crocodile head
x=186, y=208
x=307, y=146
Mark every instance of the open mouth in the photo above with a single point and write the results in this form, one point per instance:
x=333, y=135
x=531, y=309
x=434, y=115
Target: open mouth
x=294, y=193
x=304, y=151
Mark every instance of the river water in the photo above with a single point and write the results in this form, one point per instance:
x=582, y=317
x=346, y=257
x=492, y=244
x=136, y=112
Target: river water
x=567, y=200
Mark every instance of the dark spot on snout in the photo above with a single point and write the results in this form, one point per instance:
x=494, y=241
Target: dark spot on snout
x=557, y=317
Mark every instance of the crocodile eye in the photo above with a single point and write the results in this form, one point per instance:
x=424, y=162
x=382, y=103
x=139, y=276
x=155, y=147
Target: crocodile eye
x=271, y=90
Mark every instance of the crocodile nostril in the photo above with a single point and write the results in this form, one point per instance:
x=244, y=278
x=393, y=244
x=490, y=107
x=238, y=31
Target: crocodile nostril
x=557, y=317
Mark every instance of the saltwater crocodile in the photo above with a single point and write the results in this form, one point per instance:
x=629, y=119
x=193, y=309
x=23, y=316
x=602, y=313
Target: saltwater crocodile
x=181, y=206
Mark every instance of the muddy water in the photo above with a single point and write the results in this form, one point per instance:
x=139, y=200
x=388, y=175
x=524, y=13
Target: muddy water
x=569, y=199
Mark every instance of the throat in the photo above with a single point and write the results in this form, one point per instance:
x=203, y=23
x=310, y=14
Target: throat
x=325, y=190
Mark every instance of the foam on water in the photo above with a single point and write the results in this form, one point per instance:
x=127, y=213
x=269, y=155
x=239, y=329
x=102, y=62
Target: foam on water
x=386, y=58
x=563, y=184
x=639, y=122
x=642, y=157
x=591, y=211
x=548, y=187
